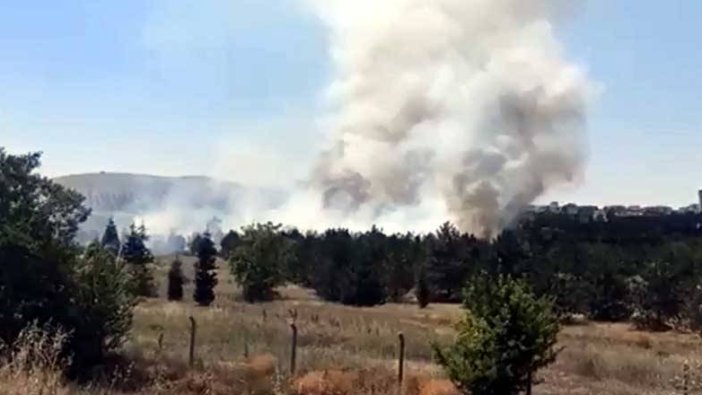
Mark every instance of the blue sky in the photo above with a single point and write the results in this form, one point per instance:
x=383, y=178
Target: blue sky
x=172, y=86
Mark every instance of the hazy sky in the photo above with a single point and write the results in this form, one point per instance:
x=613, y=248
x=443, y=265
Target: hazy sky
x=234, y=89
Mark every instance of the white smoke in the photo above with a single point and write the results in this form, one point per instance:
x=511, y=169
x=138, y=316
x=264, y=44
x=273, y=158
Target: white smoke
x=444, y=109
x=461, y=110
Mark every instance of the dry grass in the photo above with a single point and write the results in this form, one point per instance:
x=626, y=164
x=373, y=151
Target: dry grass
x=32, y=365
x=245, y=349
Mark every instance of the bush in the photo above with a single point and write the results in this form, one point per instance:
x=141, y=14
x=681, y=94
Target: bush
x=506, y=335
x=260, y=259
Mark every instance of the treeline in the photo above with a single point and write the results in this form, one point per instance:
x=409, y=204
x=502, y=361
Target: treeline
x=645, y=268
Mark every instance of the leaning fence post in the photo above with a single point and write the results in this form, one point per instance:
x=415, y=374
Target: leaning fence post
x=193, y=328
x=401, y=362
x=293, y=351
x=160, y=342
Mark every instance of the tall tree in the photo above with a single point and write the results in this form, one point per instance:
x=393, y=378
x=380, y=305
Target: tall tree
x=422, y=288
x=260, y=261
x=331, y=278
x=138, y=257
x=449, y=262
x=44, y=277
x=229, y=243
x=110, y=238
x=404, y=252
x=194, y=245
x=205, y=271
x=367, y=273
x=176, y=279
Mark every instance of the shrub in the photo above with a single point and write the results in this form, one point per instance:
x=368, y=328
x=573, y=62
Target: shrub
x=506, y=335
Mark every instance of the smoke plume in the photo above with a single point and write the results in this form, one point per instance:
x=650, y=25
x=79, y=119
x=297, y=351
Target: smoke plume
x=457, y=108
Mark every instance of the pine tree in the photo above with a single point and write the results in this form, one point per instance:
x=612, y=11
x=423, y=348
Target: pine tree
x=138, y=257
x=449, y=262
x=229, y=243
x=507, y=335
x=422, y=289
x=194, y=246
x=110, y=239
x=367, y=277
x=205, y=271
x=175, y=281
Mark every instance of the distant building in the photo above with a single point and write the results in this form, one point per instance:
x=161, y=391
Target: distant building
x=600, y=215
x=693, y=208
x=658, y=210
x=699, y=202
x=587, y=213
x=570, y=209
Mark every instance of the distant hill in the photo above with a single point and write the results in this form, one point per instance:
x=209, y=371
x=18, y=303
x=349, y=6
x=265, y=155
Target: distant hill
x=125, y=196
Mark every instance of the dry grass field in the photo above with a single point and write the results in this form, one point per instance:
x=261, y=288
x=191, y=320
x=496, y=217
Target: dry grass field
x=245, y=349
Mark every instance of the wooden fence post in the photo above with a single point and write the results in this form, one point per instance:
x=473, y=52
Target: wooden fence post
x=686, y=379
x=193, y=328
x=529, y=382
x=160, y=342
x=401, y=363
x=293, y=351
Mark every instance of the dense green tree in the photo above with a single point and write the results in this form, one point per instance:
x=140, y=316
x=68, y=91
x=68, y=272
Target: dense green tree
x=301, y=270
x=449, y=263
x=194, y=245
x=229, y=243
x=205, y=271
x=110, y=238
x=44, y=277
x=102, y=316
x=422, y=288
x=138, y=258
x=176, y=279
x=331, y=277
x=404, y=252
x=660, y=290
x=260, y=261
x=506, y=335
x=366, y=283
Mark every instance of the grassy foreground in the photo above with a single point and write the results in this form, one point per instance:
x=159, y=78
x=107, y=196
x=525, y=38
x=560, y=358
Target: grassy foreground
x=245, y=349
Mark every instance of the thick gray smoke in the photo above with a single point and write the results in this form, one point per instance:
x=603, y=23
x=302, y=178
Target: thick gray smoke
x=448, y=109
